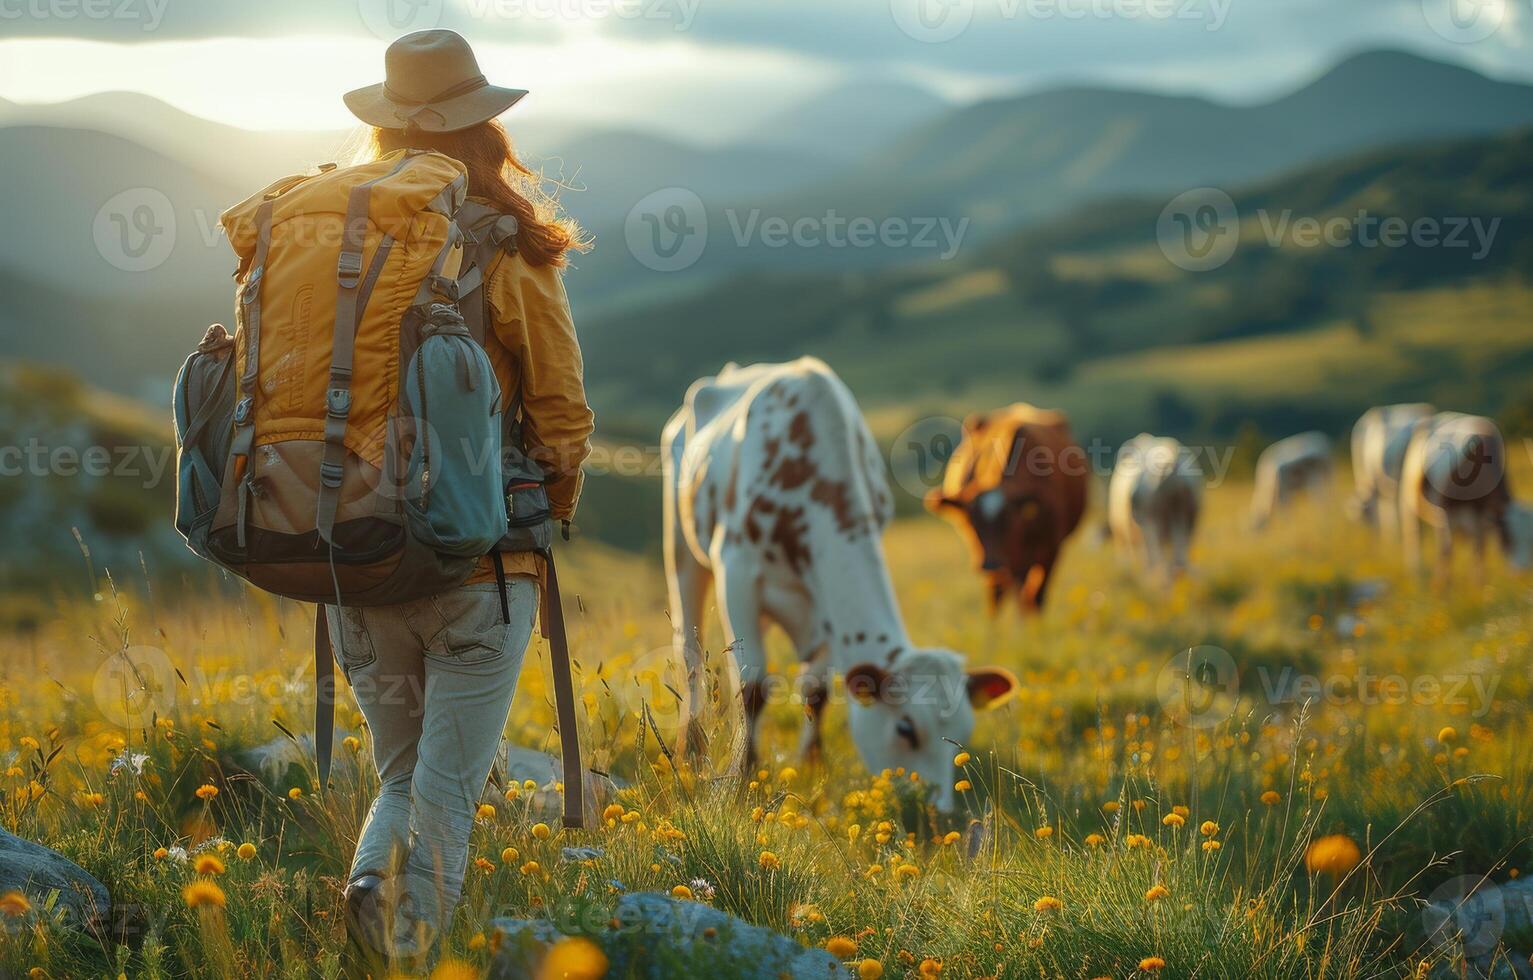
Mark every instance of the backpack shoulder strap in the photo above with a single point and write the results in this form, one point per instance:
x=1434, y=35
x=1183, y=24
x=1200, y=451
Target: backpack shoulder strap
x=485, y=232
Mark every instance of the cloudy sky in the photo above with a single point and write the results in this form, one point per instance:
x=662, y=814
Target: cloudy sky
x=709, y=69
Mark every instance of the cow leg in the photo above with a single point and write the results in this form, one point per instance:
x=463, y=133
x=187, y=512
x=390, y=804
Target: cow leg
x=995, y=592
x=1035, y=587
x=814, y=684
x=1387, y=516
x=1479, y=551
x=689, y=582
x=1410, y=539
x=740, y=607
x=1153, y=540
x=1444, y=573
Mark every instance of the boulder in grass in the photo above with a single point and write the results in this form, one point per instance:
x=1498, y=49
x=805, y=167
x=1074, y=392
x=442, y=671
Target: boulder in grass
x=1474, y=920
x=37, y=872
x=654, y=937
x=517, y=764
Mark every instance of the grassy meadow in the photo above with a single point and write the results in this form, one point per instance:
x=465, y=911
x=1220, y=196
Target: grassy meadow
x=1116, y=819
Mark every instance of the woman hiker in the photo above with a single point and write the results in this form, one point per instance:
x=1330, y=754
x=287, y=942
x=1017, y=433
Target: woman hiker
x=435, y=677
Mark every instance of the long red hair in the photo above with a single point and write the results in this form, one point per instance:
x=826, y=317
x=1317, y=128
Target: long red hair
x=543, y=234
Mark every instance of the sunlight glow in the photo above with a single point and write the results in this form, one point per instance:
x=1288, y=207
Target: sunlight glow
x=671, y=85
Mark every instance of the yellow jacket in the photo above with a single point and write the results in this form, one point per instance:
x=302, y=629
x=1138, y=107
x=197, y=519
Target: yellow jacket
x=533, y=349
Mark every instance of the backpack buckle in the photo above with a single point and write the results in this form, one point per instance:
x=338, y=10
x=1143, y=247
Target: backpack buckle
x=251, y=288
x=444, y=287
x=348, y=269
x=242, y=411
x=338, y=403
x=330, y=474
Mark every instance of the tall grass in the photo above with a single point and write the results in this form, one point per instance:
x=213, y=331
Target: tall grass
x=1099, y=835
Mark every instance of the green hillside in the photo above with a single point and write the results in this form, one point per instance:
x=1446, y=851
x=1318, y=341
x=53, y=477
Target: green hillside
x=1088, y=314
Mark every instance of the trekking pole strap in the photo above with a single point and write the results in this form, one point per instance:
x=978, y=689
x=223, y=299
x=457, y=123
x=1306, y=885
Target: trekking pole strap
x=324, y=700
x=564, y=703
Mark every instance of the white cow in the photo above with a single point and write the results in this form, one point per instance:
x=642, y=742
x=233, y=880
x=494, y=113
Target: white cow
x=1379, y=440
x=1454, y=479
x=1153, y=501
x=1297, y=465
x=775, y=495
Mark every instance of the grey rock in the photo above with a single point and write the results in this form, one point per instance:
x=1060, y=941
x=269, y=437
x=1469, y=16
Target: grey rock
x=1469, y=919
x=38, y=871
x=581, y=853
x=657, y=938
x=517, y=764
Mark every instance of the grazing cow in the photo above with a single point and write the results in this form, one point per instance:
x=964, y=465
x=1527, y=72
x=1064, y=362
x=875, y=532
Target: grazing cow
x=1379, y=440
x=1297, y=465
x=1454, y=478
x=1153, y=501
x=775, y=495
x=1015, y=488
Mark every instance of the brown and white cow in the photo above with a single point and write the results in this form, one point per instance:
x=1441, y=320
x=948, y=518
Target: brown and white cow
x=1454, y=479
x=776, y=499
x=1379, y=441
x=1153, y=500
x=1015, y=487
x=1289, y=468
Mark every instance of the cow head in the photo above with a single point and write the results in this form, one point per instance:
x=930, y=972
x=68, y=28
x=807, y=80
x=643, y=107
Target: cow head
x=1517, y=536
x=916, y=709
x=991, y=521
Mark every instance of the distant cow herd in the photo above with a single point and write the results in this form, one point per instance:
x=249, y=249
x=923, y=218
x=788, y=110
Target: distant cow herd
x=776, y=500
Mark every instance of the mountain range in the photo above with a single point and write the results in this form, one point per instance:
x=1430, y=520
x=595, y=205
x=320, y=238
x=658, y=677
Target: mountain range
x=1008, y=166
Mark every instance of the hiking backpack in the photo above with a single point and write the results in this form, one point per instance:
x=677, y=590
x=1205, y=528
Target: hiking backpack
x=350, y=444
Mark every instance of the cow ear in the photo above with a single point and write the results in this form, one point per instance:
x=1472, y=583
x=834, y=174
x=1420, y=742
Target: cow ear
x=865, y=682
x=989, y=687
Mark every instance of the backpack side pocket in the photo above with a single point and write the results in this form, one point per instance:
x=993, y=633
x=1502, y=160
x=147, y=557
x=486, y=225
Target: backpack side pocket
x=451, y=391
x=203, y=403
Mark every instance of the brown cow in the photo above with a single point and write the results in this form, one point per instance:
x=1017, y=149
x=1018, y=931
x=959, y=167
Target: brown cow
x=1015, y=488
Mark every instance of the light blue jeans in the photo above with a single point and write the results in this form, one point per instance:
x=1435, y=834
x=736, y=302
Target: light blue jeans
x=434, y=679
